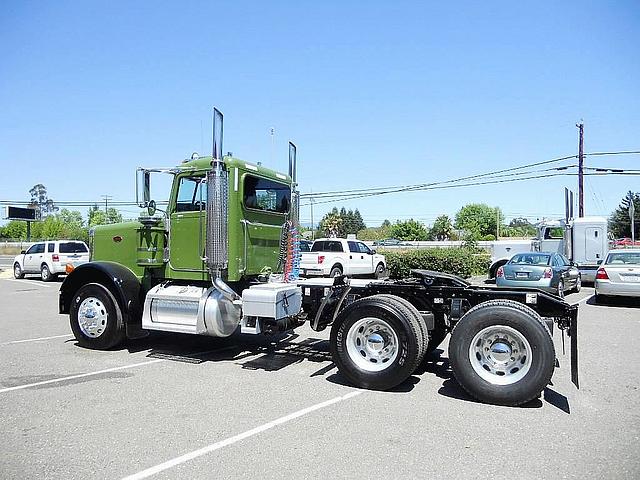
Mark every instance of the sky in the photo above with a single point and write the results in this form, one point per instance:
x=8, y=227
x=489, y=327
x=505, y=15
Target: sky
x=374, y=94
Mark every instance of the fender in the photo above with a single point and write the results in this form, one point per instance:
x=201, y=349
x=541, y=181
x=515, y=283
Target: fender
x=120, y=281
x=496, y=264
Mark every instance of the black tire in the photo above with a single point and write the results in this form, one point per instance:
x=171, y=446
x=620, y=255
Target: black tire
x=113, y=332
x=528, y=324
x=17, y=271
x=336, y=270
x=601, y=299
x=578, y=286
x=410, y=310
x=379, y=272
x=404, y=325
x=45, y=273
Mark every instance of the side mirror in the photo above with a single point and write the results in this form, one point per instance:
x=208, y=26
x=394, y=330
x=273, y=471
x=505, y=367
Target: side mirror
x=146, y=189
x=373, y=251
x=22, y=252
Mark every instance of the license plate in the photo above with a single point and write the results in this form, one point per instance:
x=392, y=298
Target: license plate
x=522, y=275
x=630, y=278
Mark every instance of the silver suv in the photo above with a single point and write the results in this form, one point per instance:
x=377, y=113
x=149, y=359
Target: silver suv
x=50, y=258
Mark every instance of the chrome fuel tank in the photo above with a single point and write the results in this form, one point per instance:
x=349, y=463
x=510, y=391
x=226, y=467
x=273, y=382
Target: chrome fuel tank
x=190, y=309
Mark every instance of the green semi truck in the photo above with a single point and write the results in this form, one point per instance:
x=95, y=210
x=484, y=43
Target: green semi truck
x=221, y=257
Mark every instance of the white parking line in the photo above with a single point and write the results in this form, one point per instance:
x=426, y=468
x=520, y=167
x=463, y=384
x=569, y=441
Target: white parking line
x=25, y=281
x=37, y=339
x=81, y=375
x=237, y=438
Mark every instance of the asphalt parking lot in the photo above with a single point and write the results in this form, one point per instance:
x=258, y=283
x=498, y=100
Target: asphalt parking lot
x=172, y=406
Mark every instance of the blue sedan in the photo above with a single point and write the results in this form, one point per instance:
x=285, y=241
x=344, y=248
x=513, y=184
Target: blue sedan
x=547, y=271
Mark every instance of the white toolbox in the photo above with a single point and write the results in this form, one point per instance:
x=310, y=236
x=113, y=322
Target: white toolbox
x=272, y=300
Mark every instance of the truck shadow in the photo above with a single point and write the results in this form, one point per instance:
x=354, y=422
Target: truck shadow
x=275, y=353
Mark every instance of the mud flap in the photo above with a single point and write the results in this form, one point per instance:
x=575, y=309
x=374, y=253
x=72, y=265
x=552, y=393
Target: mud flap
x=573, y=334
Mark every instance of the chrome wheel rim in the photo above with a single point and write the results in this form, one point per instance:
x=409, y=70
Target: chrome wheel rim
x=372, y=344
x=44, y=273
x=92, y=317
x=500, y=355
x=16, y=270
x=561, y=290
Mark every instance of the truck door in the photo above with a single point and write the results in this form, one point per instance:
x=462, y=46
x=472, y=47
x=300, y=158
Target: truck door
x=594, y=244
x=186, y=239
x=358, y=263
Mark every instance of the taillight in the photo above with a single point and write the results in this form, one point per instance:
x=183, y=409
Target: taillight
x=55, y=257
x=602, y=274
x=500, y=272
x=548, y=273
x=320, y=259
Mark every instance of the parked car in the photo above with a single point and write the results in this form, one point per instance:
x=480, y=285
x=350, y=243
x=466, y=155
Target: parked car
x=389, y=242
x=548, y=271
x=626, y=242
x=619, y=274
x=338, y=256
x=50, y=259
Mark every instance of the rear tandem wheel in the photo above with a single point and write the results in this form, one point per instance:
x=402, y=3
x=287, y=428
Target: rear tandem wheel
x=501, y=352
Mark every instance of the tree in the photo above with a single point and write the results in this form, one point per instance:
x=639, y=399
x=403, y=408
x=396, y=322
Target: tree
x=478, y=220
x=409, y=230
x=620, y=222
x=343, y=222
x=331, y=223
x=442, y=228
x=99, y=217
x=15, y=230
x=41, y=201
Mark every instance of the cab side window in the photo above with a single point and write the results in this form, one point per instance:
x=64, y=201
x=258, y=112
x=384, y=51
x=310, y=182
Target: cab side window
x=266, y=195
x=364, y=248
x=192, y=195
x=353, y=247
x=37, y=248
x=51, y=247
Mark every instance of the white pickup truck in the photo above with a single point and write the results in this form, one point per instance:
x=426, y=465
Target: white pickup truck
x=339, y=256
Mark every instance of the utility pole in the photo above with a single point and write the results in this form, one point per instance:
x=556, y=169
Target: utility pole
x=313, y=225
x=106, y=205
x=580, y=170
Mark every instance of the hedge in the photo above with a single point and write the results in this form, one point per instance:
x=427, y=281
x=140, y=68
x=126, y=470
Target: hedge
x=463, y=262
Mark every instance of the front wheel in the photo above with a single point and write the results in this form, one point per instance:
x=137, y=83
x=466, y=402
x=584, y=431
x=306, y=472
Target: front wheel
x=96, y=318
x=501, y=352
x=379, y=272
x=377, y=342
x=17, y=271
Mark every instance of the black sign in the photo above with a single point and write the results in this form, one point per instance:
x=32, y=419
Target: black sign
x=18, y=213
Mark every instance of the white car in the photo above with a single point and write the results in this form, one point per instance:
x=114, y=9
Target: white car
x=340, y=256
x=619, y=274
x=50, y=258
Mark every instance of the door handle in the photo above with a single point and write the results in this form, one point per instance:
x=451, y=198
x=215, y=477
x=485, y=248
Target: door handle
x=350, y=257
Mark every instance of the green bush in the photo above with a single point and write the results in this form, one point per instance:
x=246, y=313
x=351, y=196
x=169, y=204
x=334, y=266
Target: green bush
x=463, y=262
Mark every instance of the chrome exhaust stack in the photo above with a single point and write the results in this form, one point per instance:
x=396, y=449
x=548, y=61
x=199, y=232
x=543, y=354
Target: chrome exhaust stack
x=295, y=195
x=216, y=251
